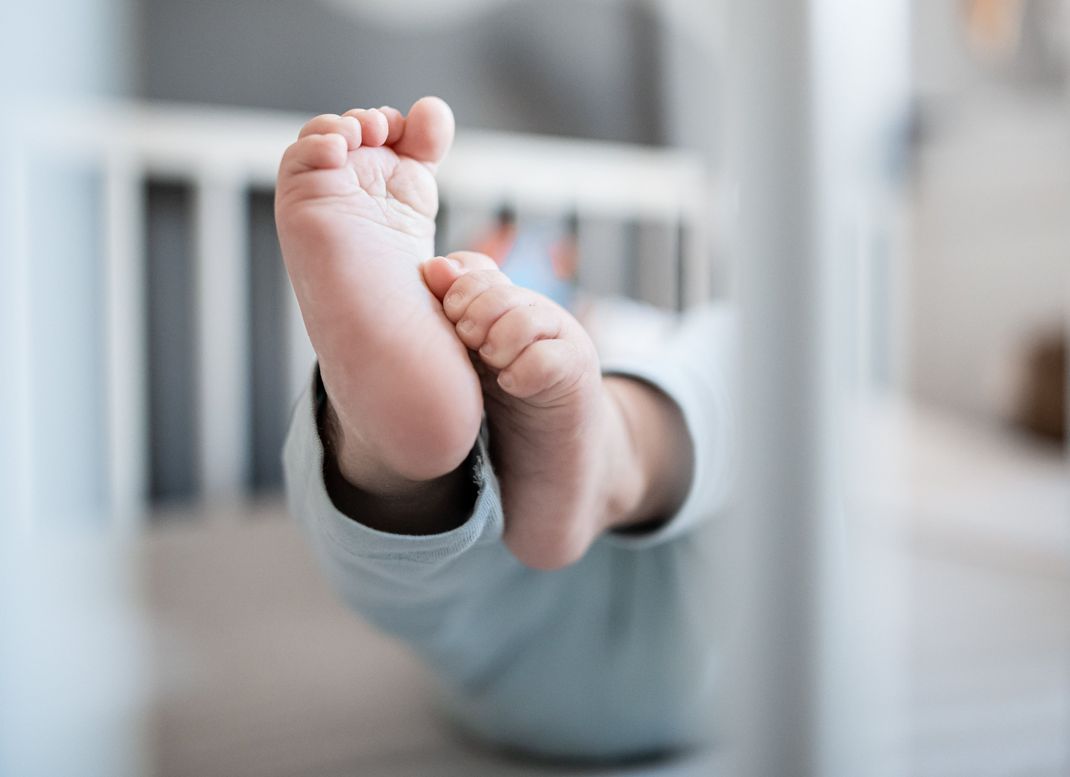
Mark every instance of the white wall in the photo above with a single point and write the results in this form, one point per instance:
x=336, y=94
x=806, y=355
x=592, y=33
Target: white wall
x=992, y=243
x=990, y=228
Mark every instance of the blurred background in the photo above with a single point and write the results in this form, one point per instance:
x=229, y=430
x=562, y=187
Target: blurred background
x=159, y=612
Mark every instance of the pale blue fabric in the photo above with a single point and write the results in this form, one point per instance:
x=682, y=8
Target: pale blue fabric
x=611, y=657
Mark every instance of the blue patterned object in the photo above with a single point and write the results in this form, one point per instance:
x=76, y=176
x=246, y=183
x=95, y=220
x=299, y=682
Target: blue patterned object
x=530, y=263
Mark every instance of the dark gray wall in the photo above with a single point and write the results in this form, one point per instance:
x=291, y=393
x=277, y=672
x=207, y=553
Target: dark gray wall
x=553, y=66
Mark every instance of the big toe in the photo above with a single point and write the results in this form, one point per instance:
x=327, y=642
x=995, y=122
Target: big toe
x=440, y=272
x=428, y=131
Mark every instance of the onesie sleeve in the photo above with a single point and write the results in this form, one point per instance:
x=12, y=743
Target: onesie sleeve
x=692, y=365
x=394, y=580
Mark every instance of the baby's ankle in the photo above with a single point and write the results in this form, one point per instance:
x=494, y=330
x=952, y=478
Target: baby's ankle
x=380, y=498
x=388, y=463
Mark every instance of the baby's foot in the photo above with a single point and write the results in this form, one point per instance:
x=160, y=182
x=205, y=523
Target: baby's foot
x=355, y=206
x=551, y=422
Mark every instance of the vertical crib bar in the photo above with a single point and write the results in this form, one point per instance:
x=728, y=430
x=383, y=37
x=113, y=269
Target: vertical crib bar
x=657, y=266
x=604, y=254
x=814, y=88
x=21, y=453
x=696, y=288
x=126, y=355
x=775, y=712
x=222, y=308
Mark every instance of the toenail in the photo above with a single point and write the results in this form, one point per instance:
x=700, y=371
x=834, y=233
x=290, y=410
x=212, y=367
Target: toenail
x=453, y=298
x=505, y=380
x=487, y=350
x=466, y=326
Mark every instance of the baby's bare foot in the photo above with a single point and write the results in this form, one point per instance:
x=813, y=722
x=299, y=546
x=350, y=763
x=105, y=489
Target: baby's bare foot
x=551, y=421
x=355, y=207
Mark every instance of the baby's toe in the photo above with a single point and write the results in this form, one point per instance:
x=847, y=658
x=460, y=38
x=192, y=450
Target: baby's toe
x=315, y=152
x=395, y=123
x=545, y=369
x=467, y=288
x=428, y=131
x=331, y=123
x=374, y=125
x=514, y=323
x=441, y=272
x=473, y=260
x=485, y=308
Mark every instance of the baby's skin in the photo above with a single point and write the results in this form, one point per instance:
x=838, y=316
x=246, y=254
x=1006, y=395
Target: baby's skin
x=557, y=438
x=413, y=350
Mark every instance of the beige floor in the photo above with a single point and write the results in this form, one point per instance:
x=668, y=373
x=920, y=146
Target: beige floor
x=259, y=671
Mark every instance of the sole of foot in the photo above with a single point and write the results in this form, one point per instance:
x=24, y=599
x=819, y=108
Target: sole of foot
x=355, y=207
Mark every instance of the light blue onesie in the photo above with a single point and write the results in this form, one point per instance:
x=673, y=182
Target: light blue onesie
x=611, y=657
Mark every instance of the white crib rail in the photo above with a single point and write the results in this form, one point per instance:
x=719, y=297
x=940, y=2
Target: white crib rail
x=222, y=331
x=126, y=391
x=222, y=153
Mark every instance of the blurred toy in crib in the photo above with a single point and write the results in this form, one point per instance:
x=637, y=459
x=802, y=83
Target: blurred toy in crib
x=541, y=254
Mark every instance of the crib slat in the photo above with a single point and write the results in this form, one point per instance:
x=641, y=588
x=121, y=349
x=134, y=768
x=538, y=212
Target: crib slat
x=125, y=342
x=604, y=251
x=657, y=268
x=696, y=265
x=17, y=309
x=220, y=246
